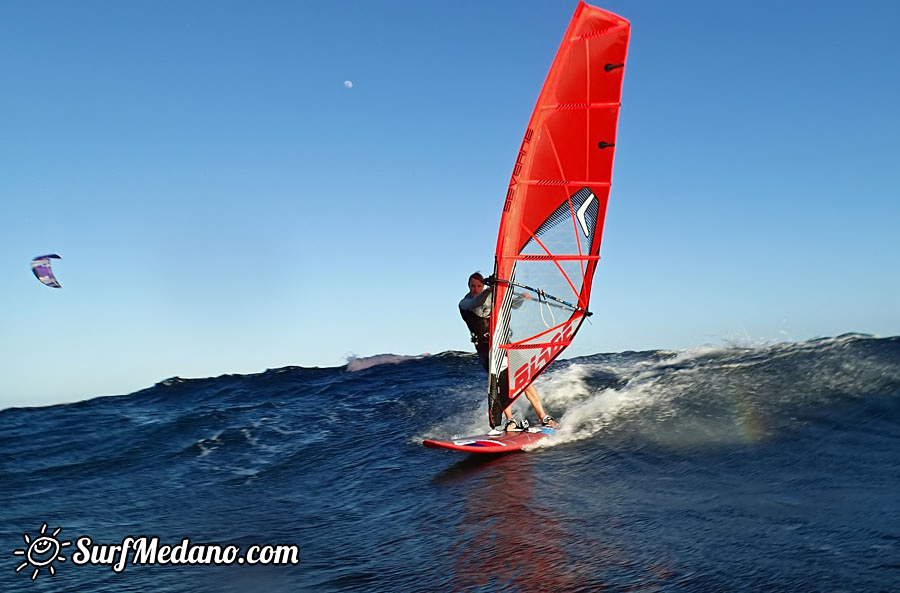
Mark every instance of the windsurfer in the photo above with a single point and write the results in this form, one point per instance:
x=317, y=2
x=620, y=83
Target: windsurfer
x=475, y=308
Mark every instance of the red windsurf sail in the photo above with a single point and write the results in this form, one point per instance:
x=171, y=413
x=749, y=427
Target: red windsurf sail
x=552, y=222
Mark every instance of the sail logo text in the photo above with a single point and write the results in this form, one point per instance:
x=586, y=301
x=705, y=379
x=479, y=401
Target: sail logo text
x=525, y=373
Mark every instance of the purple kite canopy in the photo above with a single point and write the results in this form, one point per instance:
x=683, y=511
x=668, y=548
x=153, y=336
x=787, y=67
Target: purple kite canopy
x=43, y=272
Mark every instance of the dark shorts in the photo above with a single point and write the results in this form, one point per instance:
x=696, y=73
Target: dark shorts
x=483, y=352
x=498, y=401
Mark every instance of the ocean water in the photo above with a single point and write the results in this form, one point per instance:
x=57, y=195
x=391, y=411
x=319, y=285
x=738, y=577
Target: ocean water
x=772, y=468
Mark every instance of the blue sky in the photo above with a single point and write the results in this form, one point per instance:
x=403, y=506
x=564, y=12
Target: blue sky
x=224, y=203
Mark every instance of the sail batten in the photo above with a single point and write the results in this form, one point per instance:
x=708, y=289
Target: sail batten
x=551, y=226
x=556, y=258
x=584, y=106
x=559, y=182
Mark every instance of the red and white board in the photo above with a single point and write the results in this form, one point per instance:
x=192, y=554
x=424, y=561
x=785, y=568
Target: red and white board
x=486, y=443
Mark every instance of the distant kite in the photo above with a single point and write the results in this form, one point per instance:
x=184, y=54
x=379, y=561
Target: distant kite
x=43, y=272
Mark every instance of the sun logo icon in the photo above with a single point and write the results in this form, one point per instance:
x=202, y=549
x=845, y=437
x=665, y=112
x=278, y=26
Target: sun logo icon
x=42, y=551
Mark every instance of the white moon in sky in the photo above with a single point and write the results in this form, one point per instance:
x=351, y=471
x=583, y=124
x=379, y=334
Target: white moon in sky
x=348, y=84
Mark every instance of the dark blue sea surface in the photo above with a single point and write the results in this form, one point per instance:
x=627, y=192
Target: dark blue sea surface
x=772, y=468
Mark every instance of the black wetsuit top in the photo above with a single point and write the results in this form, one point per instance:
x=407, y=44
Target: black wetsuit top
x=476, y=312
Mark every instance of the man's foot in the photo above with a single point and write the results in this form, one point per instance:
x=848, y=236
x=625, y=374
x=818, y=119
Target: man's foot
x=512, y=425
x=549, y=422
